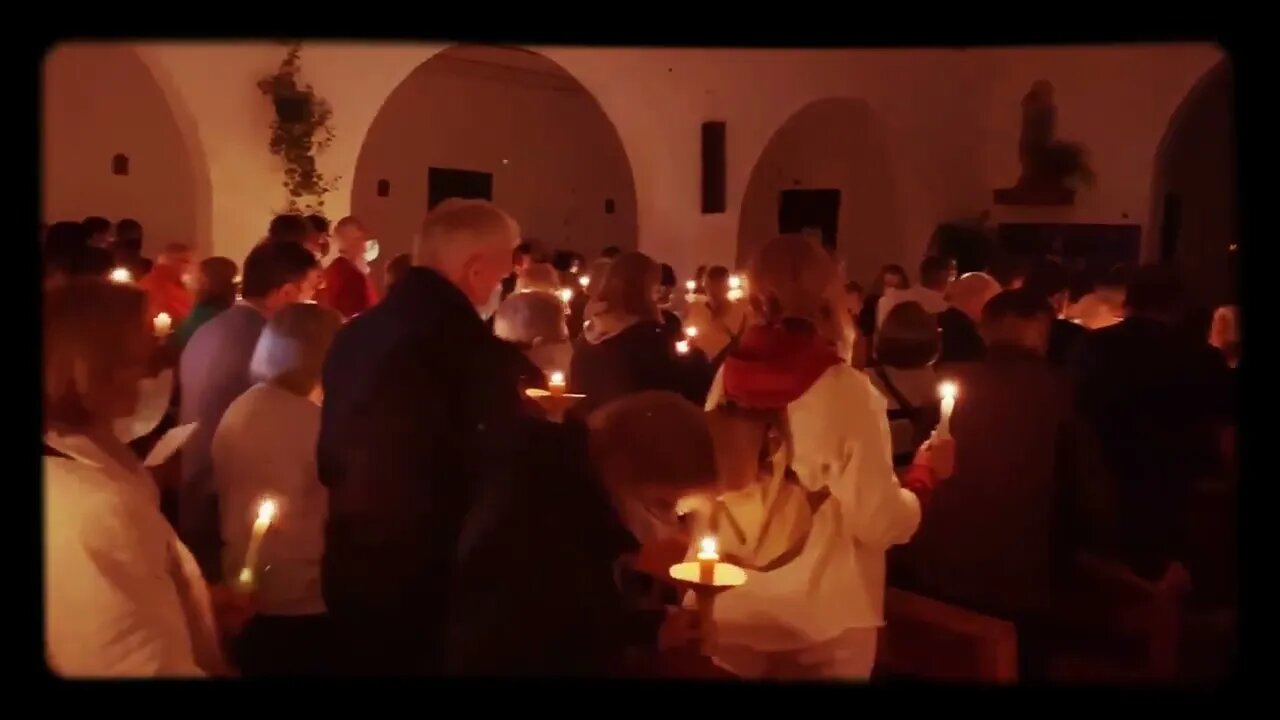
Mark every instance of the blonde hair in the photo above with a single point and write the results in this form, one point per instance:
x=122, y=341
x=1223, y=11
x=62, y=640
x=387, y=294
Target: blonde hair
x=792, y=277
x=539, y=276
x=457, y=228
x=84, y=321
x=291, y=350
x=628, y=287
x=524, y=317
x=597, y=271
x=653, y=437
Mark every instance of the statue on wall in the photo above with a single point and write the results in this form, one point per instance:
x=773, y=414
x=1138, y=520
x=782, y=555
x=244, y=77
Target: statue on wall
x=1052, y=169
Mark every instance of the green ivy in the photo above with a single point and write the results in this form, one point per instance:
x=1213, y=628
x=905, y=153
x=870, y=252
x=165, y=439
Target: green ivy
x=299, y=130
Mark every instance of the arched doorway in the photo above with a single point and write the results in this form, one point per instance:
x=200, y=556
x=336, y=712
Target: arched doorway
x=1195, y=222
x=504, y=122
x=826, y=167
x=111, y=146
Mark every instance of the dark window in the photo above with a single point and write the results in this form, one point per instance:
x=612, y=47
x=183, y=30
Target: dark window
x=384, y=188
x=120, y=164
x=445, y=183
x=801, y=211
x=608, y=206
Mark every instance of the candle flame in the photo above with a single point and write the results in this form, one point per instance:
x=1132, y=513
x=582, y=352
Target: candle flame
x=682, y=347
x=566, y=294
x=708, y=547
x=557, y=378
x=691, y=332
x=691, y=285
x=736, y=294
x=121, y=275
x=948, y=389
x=584, y=281
x=735, y=282
x=267, y=510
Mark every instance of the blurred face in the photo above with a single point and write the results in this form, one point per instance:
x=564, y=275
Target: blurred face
x=182, y=263
x=718, y=289
x=351, y=240
x=303, y=290
x=482, y=272
x=853, y=302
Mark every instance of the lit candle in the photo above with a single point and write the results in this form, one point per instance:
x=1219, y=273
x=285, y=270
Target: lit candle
x=555, y=383
x=735, y=282
x=691, y=285
x=162, y=323
x=947, y=390
x=584, y=281
x=691, y=332
x=735, y=294
x=266, y=513
x=566, y=294
x=121, y=275
x=707, y=559
x=682, y=347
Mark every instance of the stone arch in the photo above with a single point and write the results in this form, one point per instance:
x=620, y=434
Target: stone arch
x=834, y=143
x=133, y=113
x=1194, y=181
x=554, y=155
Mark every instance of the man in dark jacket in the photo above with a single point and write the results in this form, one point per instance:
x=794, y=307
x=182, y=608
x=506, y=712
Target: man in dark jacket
x=998, y=536
x=958, y=324
x=1049, y=280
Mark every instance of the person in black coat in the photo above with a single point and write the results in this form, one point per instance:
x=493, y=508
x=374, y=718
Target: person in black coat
x=624, y=347
x=420, y=402
x=1049, y=280
x=958, y=324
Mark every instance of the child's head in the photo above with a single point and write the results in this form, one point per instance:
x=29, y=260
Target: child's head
x=217, y=281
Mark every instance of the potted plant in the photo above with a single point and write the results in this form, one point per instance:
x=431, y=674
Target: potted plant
x=299, y=129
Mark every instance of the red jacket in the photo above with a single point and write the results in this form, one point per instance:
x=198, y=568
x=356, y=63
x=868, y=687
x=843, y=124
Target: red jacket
x=347, y=290
x=167, y=293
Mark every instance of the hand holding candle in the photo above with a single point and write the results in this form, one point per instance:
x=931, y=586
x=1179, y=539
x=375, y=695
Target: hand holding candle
x=948, y=391
x=162, y=324
x=266, y=513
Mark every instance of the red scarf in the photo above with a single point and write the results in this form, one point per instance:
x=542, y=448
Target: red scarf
x=774, y=365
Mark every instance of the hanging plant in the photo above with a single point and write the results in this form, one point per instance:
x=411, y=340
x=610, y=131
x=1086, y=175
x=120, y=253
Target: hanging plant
x=299, y=130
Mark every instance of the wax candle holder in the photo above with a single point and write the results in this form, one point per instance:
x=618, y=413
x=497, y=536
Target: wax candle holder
x=723, y=576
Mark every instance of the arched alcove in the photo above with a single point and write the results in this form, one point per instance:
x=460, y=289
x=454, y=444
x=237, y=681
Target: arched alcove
x=1195, y=215
x=104, y=112
x=833, y=144
x=552, y=156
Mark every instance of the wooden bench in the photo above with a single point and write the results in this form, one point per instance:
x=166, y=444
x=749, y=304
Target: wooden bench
x=925, y=639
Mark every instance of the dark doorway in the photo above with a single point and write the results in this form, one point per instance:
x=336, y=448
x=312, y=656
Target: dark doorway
x=801, y=210
x=445, y=183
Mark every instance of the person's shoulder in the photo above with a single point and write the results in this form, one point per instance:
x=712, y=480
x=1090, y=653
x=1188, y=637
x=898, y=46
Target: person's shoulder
x=79, y=496
x=843, y=387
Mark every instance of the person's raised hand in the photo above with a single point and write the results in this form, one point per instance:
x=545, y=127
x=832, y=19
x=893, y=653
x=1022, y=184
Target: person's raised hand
x=232, y=609
x=939, y=455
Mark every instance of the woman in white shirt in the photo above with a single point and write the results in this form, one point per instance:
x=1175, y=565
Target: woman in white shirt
x=265, y=447
x=817, y=616
x=123, y=595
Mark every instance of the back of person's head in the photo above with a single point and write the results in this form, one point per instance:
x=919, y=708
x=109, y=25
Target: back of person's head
x=538, y=276
x=218, y=280
x=628, y=287
x=291, y=350
x=1154, y=291
x=562, y=260
x=397, y=267
x=908, y=338
x=1008, y=270
x=700, y=275
x=971, y=291
x=89, y=261
x=530, y=319
x=715, y=282
x=469, y=242
x=597, y=272
x=289, y=227
x=655, y=447
x=611, y=252
x=272, y=266
x=1018, y=317
x=523, y=250
x=793, y=278
x=853, y=287
x=97, y=344
x=319, y=224
x=97, y=227
x=175, y=253
x=1050, y=280
x=935, y=272
x=892, y=275
x=667, y=276
x=64, y=237
x=129, y=237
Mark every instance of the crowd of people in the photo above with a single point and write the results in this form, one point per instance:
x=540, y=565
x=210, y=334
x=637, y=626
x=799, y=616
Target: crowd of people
x=368, y=482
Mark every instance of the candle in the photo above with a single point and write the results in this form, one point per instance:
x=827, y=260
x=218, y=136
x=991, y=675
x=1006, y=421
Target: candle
x=566, y=294
x=736, y=294
x=266, y=513
x=162, y=323
x=682, y=347
x=947, y=390
x=555, y=383
x=691, y=332
x=735, y=282
x=707, y=559
x=121, y=275
x=584, y=281
x=691, y=285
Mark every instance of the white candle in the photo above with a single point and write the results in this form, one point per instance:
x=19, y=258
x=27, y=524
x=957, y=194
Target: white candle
x=691, y=332
x=707, y=559
x=162, y=324
x=947, y=390
x=555, y=383
x=266, y=513
x=121, y=275
x=682, y=347
x=584, y=281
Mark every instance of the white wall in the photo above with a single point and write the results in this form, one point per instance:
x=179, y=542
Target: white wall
x=554, y=155
x=99, y=102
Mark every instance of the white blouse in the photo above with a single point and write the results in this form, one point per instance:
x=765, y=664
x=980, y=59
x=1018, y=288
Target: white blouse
x=123, y=596
x=840, y=437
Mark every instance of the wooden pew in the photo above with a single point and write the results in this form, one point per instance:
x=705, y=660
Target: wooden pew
x=924, y=639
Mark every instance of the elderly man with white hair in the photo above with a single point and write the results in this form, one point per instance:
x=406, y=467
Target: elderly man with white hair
x=958, y=324
x=534, y=321
x=422, y=412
